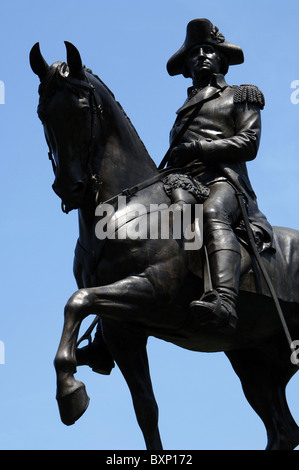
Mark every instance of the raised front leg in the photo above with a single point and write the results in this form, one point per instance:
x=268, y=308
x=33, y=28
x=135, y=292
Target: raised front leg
x=122, y=301
x=71, y=394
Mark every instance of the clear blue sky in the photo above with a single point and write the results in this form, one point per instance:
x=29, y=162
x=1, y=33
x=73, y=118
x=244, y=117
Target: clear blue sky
x=127, y=43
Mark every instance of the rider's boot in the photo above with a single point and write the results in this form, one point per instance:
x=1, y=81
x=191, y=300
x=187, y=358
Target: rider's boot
x=218, y=307
x=96, y=355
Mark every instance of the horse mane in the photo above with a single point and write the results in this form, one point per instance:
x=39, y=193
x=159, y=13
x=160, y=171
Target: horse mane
x=121, y=109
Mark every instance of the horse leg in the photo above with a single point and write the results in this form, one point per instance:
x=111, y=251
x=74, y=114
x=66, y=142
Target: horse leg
x=71, y=394
x=264, y=375
x=129, y=351
x=123, y=301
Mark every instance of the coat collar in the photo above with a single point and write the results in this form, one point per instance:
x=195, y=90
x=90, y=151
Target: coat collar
x=218, y=84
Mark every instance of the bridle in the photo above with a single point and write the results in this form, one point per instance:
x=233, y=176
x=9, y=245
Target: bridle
x=96, y=110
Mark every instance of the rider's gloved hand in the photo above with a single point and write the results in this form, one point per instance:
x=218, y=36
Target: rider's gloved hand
x=185, y=153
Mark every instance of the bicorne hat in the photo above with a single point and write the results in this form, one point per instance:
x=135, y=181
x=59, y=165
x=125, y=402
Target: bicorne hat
x=202, y=31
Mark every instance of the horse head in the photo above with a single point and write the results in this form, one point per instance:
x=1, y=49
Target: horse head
x=89, y=135
x=69, y=109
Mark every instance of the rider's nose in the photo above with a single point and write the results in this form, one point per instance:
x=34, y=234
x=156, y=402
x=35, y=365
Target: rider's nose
x=201, y=52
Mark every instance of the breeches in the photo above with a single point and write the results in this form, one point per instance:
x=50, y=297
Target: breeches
x=221, y=213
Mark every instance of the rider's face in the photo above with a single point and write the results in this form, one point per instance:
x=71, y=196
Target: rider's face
x=202, y=61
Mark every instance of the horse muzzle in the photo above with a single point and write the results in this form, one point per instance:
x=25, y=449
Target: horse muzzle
x=71, y=196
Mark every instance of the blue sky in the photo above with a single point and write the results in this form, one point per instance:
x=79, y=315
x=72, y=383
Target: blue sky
x=127, y=43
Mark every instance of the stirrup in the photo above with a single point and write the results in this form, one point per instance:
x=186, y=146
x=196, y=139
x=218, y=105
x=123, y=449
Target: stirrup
x=212, y=297
x=212, y=306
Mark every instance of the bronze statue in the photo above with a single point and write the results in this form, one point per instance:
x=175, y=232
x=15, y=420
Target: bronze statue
x=141, y=287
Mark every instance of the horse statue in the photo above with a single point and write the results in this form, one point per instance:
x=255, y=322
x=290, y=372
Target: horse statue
x=142, y=286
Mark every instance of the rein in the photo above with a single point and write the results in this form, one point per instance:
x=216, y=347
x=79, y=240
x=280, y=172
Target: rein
x=144, y=184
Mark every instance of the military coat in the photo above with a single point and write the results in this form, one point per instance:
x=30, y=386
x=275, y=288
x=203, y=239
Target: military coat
x=227, y=129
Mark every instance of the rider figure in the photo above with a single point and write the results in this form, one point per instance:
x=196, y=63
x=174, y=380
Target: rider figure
x=221, y=138
x=224, y=134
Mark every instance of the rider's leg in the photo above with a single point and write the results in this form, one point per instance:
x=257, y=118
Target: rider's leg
x=221, y=213
x=219, y=308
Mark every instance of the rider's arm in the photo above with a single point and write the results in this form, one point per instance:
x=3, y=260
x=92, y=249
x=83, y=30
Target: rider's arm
x=241, y=147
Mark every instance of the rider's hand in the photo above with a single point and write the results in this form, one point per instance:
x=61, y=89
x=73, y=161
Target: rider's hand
x=183, y=154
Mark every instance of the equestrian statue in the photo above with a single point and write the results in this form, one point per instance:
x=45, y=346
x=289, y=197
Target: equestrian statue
x=237, y=292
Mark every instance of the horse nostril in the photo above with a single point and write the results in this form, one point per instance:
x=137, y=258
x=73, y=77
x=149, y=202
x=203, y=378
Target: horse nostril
x=79, y=186
x=75, y=189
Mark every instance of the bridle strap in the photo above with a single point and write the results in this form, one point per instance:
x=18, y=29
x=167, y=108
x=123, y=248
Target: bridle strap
x=97, y=105
x=96, y=109
x=96, y=102
x=50, y=155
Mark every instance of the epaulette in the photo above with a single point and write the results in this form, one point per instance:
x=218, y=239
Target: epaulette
x=249, y=94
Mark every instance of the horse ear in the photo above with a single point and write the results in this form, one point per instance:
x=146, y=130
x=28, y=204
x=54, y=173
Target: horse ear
x=74, y=60
x=37, y=62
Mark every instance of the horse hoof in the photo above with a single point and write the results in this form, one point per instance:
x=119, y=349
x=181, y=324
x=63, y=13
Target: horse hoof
x=73, y=405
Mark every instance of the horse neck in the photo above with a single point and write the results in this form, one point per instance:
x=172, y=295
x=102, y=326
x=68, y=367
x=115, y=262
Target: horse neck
x=123, y=160
x=120, y=161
